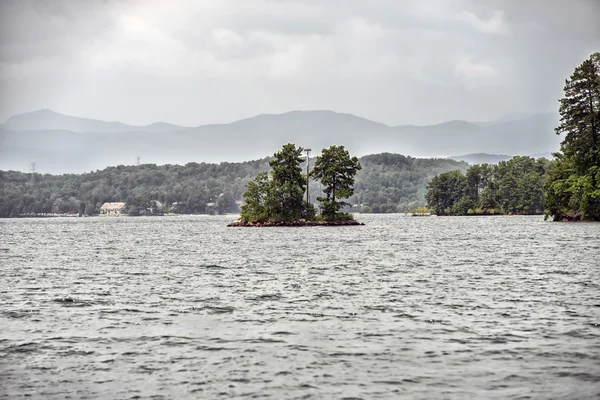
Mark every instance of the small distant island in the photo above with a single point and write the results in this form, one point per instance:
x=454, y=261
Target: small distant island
x=276, y=198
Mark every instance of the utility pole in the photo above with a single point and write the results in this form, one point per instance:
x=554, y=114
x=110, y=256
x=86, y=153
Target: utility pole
x=307, y=177
x=32, y=169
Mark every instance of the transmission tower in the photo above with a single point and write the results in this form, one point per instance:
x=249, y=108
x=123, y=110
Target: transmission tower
x=32, y=169
x=307, y=175
x=137, y=160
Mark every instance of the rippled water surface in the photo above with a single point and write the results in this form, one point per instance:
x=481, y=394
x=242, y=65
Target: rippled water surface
x=183, y=307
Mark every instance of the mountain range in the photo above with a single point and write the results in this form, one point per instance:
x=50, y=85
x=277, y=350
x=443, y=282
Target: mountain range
x=60, y=143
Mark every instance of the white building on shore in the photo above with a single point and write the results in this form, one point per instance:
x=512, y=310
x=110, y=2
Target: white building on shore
x=113, y=208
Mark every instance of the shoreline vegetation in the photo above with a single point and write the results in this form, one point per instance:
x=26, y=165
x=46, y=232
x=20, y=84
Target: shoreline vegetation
x=510, y=187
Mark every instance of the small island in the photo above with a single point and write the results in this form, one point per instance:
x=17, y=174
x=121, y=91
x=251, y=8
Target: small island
x=276, y=199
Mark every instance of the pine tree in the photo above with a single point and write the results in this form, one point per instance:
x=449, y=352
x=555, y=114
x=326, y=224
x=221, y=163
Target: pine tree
x=573, y=187
x=580, y=115
x=289, y=182
x=336, y=170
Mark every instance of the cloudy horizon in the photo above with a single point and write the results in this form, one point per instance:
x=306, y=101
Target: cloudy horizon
x=200, y=62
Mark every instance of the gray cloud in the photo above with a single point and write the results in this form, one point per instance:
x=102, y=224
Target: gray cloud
x=195, y=62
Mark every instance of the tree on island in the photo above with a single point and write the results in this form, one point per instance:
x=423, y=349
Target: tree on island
x=288, y=184
x=336, y=170
x=278, y=196
x=258, y=199
x=573, y=187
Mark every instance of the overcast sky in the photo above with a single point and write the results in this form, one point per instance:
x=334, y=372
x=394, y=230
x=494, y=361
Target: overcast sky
x=193, y=62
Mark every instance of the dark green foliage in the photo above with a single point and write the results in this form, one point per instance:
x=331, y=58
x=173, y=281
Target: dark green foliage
x=519, y=185
x=277, y=196
x=257, y=207
x=336, y=170
x=310, y=212
x=511, y=187
x=445, y=191
x=580, y=115
x=573, y=187
x=478, y=178
x=288, y=183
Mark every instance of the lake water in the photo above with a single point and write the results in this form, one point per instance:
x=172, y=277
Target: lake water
x=183, y=307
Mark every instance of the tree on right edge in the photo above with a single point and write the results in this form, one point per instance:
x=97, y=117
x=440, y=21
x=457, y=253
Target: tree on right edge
x=336, y=170
x=573, y=186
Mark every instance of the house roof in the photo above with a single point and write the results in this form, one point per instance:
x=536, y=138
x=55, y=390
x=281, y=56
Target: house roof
x=113, y=206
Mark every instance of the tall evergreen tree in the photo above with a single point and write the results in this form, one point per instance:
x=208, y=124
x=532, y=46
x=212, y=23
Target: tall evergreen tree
x=573, y=188
x=336, y=170
x=289, y=182
x=580, y=115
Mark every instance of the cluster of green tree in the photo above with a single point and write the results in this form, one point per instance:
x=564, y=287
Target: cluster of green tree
x=515, y=186
x=386, y=183
x=573, y=186
x=278, y=196
x=391, y=183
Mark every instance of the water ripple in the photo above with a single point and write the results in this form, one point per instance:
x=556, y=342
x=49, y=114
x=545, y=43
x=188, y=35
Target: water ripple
x=182, y=307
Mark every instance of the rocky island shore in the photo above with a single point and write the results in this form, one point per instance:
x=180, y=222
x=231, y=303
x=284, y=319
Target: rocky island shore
x=299, y=223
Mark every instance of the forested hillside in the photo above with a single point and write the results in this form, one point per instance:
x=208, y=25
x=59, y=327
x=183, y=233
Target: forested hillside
x=387, y=183
x=395, y=183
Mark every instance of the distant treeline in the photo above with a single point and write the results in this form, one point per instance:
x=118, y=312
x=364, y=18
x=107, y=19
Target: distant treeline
x=387, y=183
x=390, y=183
x=515, y=186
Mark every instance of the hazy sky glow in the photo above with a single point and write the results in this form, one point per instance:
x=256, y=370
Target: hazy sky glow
x=195, y=62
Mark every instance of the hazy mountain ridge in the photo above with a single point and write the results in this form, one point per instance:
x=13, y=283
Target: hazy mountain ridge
x=60, y=143
x=50, y=120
